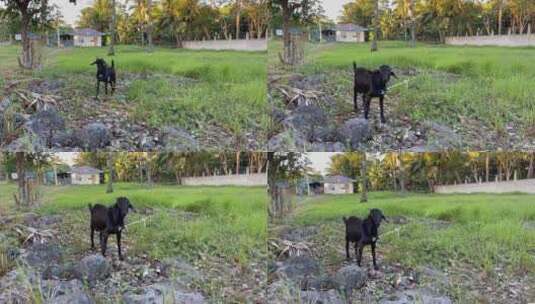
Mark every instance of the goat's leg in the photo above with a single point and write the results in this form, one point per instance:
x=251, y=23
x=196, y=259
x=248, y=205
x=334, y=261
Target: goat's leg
x=359, y=248
x=119, y=245
x=381, y=104
x=103, y=242
x=347, y=249
x=113, y=87
x=355, y=98
x=373, y=256
x=92, y=238
x=106, y=87
x=367, y=99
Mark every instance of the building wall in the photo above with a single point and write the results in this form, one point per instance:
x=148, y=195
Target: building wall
x=236, y=45
x=227, y=180
x=87, y=41
x=338, y=188
x=526, y=186
x=498, y=40
x=85, y=179
x=342, y=36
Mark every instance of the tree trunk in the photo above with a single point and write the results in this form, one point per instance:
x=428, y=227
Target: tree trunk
x=111, y=51
x=487, y=167
x=402, y=184
x=238, y=19
x=24, y=197
x=238, y=163
x=500, y=14
x=26, y=60
x=374, y=47
x=110, y=174
x=364, y=179
x=413, y=24
x=531, y=165
x=149, y=27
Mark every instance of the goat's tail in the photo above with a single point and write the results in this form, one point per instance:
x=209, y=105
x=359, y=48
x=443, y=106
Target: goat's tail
x=354, y=66
x=112, y=64
x=90, y=207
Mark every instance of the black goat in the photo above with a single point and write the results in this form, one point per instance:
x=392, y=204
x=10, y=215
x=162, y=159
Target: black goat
x=371, y=84
x=363, y=232
x=109, y=221
x=105, y=74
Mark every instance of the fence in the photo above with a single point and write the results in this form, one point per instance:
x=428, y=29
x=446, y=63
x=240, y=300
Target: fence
x=496, y=40
x=525, y=185
x=257, y=179
x=250, y=45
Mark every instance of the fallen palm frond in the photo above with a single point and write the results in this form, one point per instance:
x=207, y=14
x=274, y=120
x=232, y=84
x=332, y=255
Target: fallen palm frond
x=290, y=248
x=33, y=235
x=297, y=96
x=35, y=101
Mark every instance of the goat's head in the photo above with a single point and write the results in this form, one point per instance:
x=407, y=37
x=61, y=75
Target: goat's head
x=386, y=73
x=376, y=215
x=124, y=206
x=99, y=62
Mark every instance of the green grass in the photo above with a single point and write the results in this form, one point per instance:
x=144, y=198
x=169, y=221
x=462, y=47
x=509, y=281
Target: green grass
x=491, y=84
x=229, y=222
x=481, y=230
x=168, y=86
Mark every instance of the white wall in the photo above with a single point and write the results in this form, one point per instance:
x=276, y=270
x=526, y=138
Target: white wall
x=86, y=41
x=338, y=188
x=227, y=180
x=236, y=45
x=526, y=186
x=85, y=179
x=349, y=36
x=497, y=40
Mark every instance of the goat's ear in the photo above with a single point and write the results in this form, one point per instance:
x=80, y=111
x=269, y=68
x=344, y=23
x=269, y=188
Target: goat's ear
x=393, y=75
x=384, y=218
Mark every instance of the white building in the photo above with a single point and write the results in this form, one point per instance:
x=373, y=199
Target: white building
x=85, y=176
x=87, y=38
x=350, y=33
x=338, y=185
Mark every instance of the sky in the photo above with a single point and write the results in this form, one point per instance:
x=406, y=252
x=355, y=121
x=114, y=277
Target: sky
x=320, y=161
x=71, y=12
x=333, y=8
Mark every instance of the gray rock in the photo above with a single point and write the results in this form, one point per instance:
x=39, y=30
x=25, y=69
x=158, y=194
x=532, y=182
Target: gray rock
x=41, y=256
x=65, y=292
x=349, y=278
x=93, y=136
x=298, y=268
x=14, y=286
x=422, y=295
x=321, y=297
x=163, y=293
x=183, y=272
x=354, y=132
x=441, y=137
x=93, y=268
x=45, y=124
x=60, y=271
x=328, y=147
x=282, y=292
x=179, y=140
x=289, y=140
x=312, y=122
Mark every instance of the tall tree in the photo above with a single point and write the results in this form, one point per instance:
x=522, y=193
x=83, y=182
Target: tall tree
x=376, y=23
x=113, y=28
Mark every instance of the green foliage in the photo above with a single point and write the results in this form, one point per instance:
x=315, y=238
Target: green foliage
x=482, y=230
x=489, y=84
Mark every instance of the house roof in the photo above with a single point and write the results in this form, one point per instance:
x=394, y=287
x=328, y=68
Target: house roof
x=87, y=32
x=85, y=170
x=338, y=179
x=348, y=27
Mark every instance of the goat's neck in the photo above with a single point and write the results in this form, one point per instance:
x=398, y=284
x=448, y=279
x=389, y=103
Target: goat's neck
x=370, y=227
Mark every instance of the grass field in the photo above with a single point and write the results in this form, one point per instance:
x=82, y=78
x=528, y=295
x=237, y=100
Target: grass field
x=492, y=85
x=191, y=89
x=491, y=236
x=226, y=225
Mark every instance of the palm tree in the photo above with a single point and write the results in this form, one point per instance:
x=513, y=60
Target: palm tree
x=375, y=26
x=113, y=26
